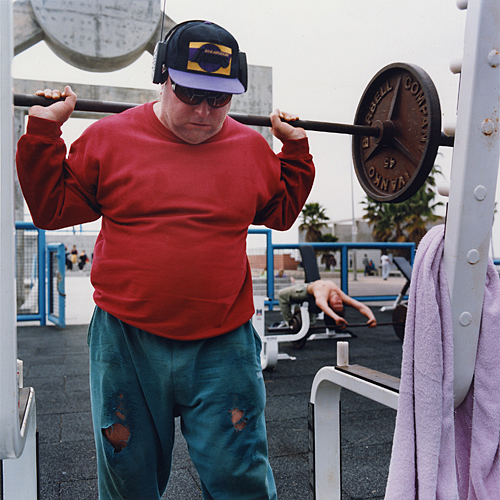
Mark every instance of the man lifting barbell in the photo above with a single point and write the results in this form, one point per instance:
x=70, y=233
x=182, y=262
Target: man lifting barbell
x=396, y=134
x=396, y=131
x=177, y=184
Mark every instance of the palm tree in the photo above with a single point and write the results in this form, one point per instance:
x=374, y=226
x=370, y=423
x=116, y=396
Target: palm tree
x=328, y=257
x=313, y=219
x=406, y=221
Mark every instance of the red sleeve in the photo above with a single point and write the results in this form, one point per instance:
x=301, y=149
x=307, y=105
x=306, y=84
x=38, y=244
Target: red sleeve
x=296, y=181
x=54, y=195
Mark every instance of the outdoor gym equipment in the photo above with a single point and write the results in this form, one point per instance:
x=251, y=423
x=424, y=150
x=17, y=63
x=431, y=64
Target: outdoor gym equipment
x=465, y=257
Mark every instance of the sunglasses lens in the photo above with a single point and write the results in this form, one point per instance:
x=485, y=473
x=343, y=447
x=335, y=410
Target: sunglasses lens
x=218, y=99
x=194, y=96
x=187, y=95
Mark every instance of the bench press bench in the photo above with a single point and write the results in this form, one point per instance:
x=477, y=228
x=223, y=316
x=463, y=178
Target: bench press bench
x=301, y=330
x=327, y=331
x=324, y=417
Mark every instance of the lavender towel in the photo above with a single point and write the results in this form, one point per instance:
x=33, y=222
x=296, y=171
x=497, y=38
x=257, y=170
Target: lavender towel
x=439, y=453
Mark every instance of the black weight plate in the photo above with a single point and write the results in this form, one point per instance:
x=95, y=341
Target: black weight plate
x=402, y=99
x=399, y=320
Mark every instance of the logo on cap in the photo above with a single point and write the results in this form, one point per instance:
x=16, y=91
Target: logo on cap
x=209, y=58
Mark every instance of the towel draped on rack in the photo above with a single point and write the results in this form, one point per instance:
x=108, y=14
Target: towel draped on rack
x=440, y=453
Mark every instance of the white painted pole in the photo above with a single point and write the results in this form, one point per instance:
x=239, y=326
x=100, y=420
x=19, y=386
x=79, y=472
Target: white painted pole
x=11, y=444
x=473, y=183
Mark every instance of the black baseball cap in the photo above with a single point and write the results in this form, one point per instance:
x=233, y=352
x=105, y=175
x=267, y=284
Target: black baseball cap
x=205, y=56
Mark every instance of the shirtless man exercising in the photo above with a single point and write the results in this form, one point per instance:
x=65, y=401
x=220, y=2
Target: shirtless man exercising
x=328, y=297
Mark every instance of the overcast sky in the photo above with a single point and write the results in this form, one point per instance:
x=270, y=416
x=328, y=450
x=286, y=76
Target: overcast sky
x=323, y=54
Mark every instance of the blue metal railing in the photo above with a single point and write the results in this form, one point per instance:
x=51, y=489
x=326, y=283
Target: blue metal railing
x=40, y=279
x=56, y=293
x=344, y=268
x=269, y=256
x=42, y=286
x=343, y=247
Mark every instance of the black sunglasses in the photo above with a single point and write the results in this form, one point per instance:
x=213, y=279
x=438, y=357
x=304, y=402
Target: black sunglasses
x=195, y=96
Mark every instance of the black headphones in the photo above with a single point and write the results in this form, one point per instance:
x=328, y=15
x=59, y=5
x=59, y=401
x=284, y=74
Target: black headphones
x=160, y=65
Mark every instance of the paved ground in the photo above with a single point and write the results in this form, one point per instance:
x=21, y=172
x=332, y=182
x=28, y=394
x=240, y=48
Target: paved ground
x=56, y=365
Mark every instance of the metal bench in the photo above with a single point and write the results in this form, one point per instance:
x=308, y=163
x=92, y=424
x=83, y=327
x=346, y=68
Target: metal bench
x=299, y=335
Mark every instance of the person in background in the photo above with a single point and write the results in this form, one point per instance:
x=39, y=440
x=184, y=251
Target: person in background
x=366, y=264
x=82, y=260
x=386, y=265
x=74, y=255
x=69, y=264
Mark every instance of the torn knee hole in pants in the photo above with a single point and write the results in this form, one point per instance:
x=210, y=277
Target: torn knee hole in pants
x=118, y=434
x=239, y=423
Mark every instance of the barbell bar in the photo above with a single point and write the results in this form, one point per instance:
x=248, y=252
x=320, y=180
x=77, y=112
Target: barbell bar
x=395, y=136
x=348, y=326
x=97, y=106
x=247, y=119
x=360, y=325
x=398, y=323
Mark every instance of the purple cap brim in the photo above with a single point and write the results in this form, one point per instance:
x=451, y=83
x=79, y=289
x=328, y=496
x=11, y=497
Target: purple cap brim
x=206, y=82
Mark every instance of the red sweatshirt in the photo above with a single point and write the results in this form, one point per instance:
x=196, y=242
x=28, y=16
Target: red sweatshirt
x=171, y=255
